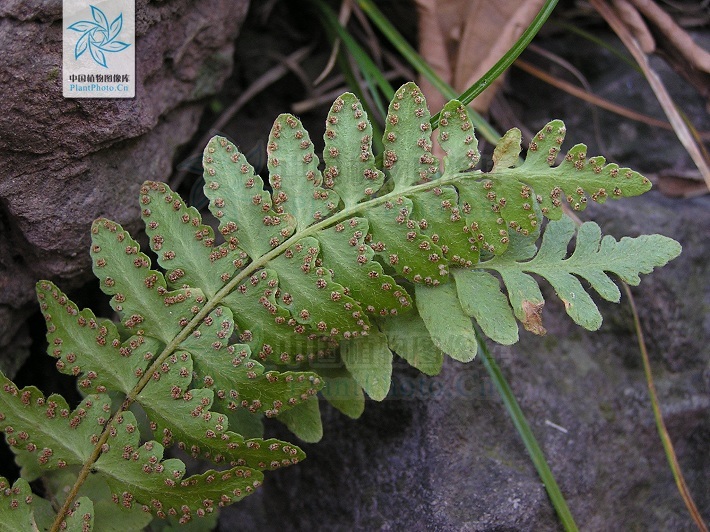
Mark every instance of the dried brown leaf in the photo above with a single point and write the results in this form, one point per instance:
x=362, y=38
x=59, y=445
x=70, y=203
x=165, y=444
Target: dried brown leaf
x=636, y=25
x=664, y=99
x=680, y=39
x=463, y=39
x=678, y=184
x=533, y=318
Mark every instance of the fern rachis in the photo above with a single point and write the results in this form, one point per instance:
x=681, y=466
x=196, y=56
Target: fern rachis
x=339, y=263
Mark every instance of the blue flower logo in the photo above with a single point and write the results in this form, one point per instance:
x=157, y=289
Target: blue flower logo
x=98, y=36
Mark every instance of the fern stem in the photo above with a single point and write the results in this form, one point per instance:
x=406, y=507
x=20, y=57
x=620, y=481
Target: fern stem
x=81, y=478
x=523, y=428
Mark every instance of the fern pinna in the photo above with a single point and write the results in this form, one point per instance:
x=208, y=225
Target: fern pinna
x=317, y=282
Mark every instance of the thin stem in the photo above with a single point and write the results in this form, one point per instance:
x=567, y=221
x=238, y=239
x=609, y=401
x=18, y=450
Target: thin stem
x=411, y=55
x=419, y=64
x=363, y=59
x=655, y=405
x=660, y=424
x=523, y=428
x=511, y=55
x=64, y=510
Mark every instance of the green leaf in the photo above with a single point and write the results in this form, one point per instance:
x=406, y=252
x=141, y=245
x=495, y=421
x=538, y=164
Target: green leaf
x=350, y=172
x=237, y=380
x=238, y=200
x=487, y=226
x=625, y=258
x=267, y=327
x=302, y=283
x=445, y=222
x=481, y=298
x=507, y=152
x=369, y=360
x=179, y=414
x=108, y=516
x=139, y=475
x=86, y=346
x=294, y=174
x=408, y=337
x=185, y=247
x=399, y=241
x=450, y=328
x=342, y=391
x=81, y=516
x=577, y=178
x=171, y=524
x=16, y=506
x=245, y=423
x=343, y=246
x=45, y=433
x=139, y=294
x=407, y=139
x=304, y=421
x=509, y=198
x=591, y=260
x=456, y=138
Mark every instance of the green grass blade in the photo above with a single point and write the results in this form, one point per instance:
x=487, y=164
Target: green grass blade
x=404, y=48
x=416, y=60
x=533, y=448
x=411, y=55
x=369, y=68
x=510, y=56
x=370, y=71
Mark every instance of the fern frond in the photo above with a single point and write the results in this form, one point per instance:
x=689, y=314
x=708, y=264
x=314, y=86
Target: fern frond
x=318, y=282
x=591, y=259
x=237, y=380
x=179, y=413
x=47, y=435
x=140, y=295
x=16, y=506
x=450, y=328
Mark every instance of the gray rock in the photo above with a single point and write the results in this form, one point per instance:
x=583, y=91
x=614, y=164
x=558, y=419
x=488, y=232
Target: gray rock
x=66, y=162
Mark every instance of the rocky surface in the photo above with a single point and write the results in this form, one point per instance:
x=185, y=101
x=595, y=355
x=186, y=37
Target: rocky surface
x=65, y=162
